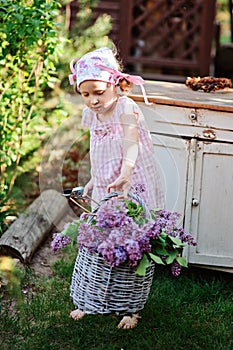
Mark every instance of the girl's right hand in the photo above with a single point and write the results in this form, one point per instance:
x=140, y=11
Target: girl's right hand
x=121, y=184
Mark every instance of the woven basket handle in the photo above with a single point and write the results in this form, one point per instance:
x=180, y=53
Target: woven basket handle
x=131, y=195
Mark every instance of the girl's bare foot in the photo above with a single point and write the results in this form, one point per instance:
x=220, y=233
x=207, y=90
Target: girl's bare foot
x=129, y=322
x=77, y=314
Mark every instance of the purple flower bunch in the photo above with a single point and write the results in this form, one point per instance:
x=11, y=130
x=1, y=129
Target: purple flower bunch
x=59, y=241
x=121, y=233
x=167, y=221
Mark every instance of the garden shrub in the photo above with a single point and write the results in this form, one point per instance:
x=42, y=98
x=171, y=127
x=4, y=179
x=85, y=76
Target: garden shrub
x=35, y=50
x=28, y=42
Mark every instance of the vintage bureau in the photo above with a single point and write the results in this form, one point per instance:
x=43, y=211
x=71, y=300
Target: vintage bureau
x=192, y=133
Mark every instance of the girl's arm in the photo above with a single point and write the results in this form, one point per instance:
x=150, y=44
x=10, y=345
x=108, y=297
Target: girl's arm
x=130, y=154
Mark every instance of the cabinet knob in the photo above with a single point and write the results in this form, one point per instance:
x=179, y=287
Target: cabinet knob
x=193, y=115
x=195, y=202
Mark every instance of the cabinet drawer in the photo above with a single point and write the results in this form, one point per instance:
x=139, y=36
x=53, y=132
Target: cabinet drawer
x=189, y=122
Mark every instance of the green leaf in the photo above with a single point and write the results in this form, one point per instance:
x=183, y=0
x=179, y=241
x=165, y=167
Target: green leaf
x=163, y=234
x=144, y=263
x=29, y=41
x=171, y=257
x=176, y=241
x=14, y=157
x=161, y=240
x=19, y=17
x=182, y=261
x=71, y=230
x=156, y=259
x=160, y=251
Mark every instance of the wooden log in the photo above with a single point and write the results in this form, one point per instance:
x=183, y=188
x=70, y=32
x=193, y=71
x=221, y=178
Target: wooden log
x=30, y=229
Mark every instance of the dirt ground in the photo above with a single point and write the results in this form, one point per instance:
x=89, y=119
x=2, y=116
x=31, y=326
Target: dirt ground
x=44, y=258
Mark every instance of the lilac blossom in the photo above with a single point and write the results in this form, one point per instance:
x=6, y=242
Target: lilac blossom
x=168, y=223
x=120, y=256
x=59, y=241
x=185, y=237
x=152, y=229
x=88, y=236
x=139, y=188
x=107, y=250
x=112, y=214
x=175, y=268
x=144, y=244
x=133, y=249
x=114, y=235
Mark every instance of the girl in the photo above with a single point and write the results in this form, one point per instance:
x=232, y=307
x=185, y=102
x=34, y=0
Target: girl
x=121, y=150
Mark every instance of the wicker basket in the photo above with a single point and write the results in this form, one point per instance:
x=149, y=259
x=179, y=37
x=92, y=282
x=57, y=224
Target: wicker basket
x=98, y=288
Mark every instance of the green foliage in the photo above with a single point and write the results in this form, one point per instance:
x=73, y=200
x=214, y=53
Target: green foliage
x=84, y=36
x=29, y=47
x=135, y=211
x=71, y=230
x=223, y=18
x=165, y=250
x=33, y=36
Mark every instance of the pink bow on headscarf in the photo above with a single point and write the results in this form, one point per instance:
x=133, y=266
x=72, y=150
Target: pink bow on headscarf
x=73, y=75
x=134, y=79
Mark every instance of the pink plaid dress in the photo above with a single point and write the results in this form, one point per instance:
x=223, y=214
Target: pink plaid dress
x=106, y=154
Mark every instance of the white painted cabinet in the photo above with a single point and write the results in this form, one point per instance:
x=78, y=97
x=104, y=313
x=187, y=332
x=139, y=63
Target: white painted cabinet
x=193, y=143
x=211, y=191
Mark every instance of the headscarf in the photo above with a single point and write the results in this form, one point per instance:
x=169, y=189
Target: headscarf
x=101, y=65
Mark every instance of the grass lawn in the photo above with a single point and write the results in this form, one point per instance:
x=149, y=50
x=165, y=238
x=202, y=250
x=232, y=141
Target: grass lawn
x=193, y=311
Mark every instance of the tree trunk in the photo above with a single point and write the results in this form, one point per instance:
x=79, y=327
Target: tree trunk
x=29, y=230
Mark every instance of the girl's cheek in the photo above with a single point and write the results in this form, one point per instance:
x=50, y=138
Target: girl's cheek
x=85, y=99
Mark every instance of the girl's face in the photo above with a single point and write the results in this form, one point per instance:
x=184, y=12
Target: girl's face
x=99, y=96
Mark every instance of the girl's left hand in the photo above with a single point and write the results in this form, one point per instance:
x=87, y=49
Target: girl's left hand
x=121, y=184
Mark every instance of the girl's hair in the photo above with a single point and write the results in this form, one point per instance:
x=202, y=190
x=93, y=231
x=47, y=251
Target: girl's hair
x=124, y=84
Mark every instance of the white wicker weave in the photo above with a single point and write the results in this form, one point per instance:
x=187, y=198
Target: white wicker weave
x=98, y=288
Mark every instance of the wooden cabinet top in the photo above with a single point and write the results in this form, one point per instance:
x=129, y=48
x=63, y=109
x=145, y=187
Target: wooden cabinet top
x=179, y=95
